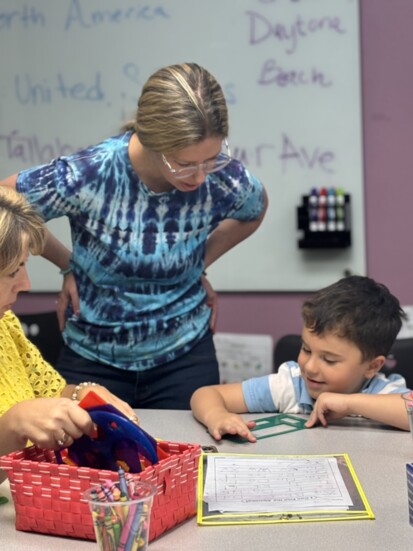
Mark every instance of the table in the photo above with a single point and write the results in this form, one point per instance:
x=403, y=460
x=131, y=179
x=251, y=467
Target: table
x=379, y=455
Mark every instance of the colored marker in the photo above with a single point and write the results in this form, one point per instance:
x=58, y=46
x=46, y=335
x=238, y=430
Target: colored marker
x=322, y=216
x=340, y=225
x=322, y=198
x=331, y=219
x=313, y=219
x=331, y=197
x=340, y=199
x=313, y=197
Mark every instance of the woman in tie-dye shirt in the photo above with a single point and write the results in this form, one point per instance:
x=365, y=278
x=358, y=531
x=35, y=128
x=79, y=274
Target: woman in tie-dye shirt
x=149, y=209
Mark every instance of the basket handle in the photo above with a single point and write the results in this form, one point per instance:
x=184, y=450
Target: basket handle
x=167, y=483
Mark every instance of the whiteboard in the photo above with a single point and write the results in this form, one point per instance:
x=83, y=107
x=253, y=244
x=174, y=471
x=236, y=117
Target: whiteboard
x=290, y=71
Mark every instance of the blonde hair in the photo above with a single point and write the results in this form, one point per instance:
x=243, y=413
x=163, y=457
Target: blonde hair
x=20, y=226
x=179, y=106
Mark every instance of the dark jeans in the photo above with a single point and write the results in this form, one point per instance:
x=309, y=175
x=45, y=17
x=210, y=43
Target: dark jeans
x=168, y=386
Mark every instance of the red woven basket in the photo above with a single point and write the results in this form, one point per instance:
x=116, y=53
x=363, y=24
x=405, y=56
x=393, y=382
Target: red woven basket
x=48, y=496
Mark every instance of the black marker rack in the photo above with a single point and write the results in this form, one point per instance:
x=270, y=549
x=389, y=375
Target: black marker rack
x=325, y=238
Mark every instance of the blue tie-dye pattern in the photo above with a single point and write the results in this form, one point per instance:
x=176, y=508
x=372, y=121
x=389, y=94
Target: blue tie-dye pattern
x=137, y=255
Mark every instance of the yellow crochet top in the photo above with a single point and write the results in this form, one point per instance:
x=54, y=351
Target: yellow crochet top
x=24, y=374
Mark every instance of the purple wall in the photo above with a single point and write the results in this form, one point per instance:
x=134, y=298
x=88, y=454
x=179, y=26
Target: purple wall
x=387, y=77
x=387, y=82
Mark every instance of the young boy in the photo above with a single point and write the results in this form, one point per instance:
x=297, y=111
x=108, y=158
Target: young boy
x=349, y=328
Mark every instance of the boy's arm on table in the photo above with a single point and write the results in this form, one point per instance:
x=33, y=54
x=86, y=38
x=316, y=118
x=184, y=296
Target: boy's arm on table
x=217, y=408
x=384, y=408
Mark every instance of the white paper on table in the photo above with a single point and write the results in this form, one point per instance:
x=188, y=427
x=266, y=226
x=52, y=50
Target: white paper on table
x=274, y=484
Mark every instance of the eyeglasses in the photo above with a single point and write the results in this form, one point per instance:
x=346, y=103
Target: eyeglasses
x=220, y=161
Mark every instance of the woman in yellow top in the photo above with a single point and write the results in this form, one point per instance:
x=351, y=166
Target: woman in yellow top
x=36, y=404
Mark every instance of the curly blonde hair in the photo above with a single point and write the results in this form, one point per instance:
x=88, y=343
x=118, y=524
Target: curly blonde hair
x=20, y=226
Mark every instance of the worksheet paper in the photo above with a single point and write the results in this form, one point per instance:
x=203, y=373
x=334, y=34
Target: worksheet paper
x=242, y=356
x=274, y=484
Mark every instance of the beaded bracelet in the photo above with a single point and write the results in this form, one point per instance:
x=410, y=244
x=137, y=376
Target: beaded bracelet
x=79, y=387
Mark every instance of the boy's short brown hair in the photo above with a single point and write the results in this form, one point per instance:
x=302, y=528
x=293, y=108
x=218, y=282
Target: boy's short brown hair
x=358, y=309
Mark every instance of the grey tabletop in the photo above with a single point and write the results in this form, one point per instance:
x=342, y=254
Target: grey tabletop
x=378, y=454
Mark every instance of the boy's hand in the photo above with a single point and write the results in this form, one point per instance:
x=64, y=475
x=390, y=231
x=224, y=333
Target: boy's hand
x=329, y=406
x=230, y=423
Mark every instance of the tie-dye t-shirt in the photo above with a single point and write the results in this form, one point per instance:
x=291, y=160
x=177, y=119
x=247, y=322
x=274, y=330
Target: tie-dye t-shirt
x=137, y=255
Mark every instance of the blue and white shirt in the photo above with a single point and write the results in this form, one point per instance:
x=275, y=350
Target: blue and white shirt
x=137, y=255
x=285, y=391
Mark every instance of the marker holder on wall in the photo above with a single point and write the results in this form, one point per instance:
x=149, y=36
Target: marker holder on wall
x=325, y=219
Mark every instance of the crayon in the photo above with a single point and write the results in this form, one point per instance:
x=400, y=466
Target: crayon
x=109, y=528
x=134, y=531
x=108, y=493
x=127, y=528
x=122, y=482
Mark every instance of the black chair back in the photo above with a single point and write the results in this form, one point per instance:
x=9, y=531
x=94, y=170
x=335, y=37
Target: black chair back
x=42, y=329
x=286, y=349
x=400, y=360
